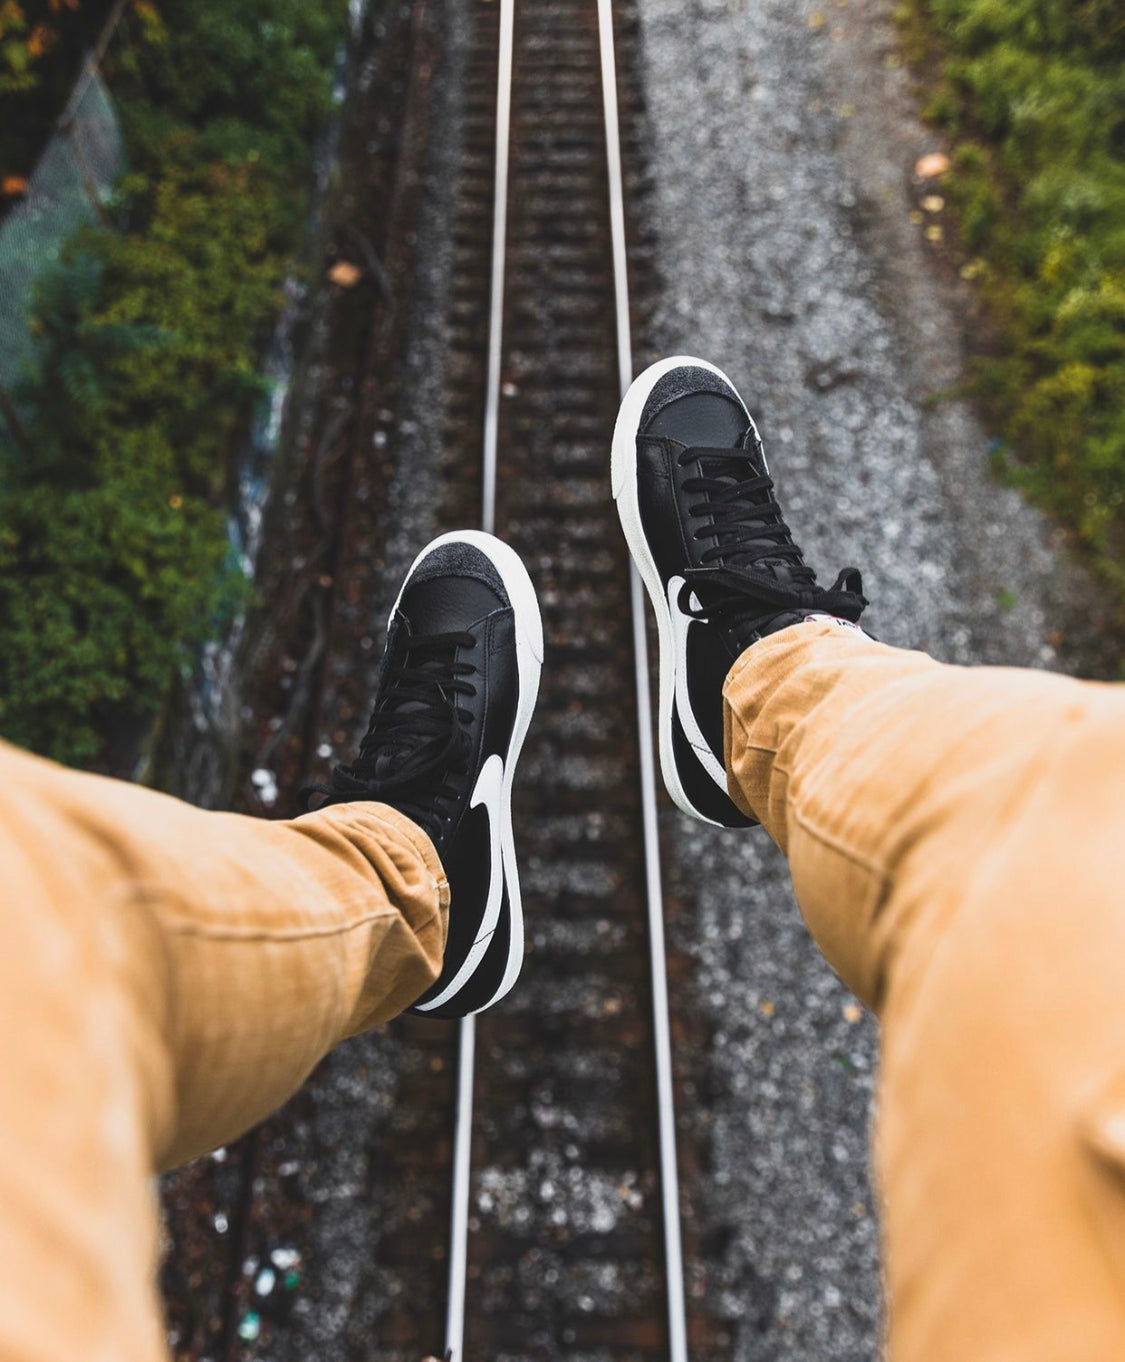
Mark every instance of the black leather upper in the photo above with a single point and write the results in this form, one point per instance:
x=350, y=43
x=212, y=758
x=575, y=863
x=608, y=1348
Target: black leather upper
x=446, y=701
x=727, y=562
x=463, y=843
x=445, y=605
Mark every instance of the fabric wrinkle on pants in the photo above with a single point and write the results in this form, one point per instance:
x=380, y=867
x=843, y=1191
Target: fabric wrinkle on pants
x=169, y=977
x=955, y=840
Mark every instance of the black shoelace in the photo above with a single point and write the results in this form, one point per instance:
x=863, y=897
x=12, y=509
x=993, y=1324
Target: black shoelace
x=758, y=571
x=416, y=739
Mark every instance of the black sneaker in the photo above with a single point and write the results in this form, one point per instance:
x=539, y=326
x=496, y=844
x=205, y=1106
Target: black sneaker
x=455, y=697
x=697, y=505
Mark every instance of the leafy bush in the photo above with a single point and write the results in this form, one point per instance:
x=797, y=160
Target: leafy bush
x=112, y=503
x=1032, y=93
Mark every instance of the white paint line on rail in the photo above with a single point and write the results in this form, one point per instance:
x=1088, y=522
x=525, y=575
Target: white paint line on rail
x=662, y=1041
x=499, y=252
x=462, y=1168
x=463, y=1133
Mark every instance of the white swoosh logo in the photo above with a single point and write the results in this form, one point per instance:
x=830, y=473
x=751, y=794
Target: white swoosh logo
x=487, y=791
x=681, y=623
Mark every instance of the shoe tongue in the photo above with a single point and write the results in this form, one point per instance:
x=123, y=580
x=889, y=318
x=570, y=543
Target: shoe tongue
x=400, y=758
x=394, y=758
x=742, y=462
x=779, y=568
x=427, y=609
x=736, y=466
x=393, y=761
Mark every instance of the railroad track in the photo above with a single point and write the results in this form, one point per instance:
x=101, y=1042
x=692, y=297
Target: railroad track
x=578, y=1039
x=561, y=1187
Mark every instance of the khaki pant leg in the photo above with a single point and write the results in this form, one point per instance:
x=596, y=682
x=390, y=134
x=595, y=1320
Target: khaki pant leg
x=168, y=976
x=957, y=843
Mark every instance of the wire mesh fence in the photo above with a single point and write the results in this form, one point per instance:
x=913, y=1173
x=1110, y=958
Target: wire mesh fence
x=68, y=189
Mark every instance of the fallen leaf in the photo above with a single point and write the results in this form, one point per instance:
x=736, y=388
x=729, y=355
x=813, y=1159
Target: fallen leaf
x=817, y=19
x=852, y=1012
x=933, y=203
x=934, y=232
x=931, y=166
x=11, y=185
x=767, y=1008
x=345, y=274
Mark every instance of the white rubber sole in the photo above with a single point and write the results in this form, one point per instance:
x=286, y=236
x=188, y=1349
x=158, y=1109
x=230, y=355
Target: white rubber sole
x=529, y=664
x=627, y=498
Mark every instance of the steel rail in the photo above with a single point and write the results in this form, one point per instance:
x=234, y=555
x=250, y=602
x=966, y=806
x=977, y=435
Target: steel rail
x=662, y=1040
x=669, y=1173
x=466, y=1050
x=462, y=1169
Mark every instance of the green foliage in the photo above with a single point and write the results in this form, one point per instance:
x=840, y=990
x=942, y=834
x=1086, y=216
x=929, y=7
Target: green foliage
x=112, y=506
x=102, y=587
x=1032, y=93
x=251, y=76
